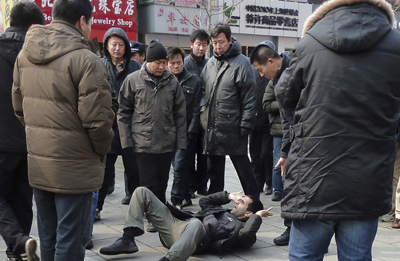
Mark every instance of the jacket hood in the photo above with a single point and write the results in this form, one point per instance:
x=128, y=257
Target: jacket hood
x=45, y=43
x=11, y=43
x=234, y=49
x=350, y=25
x=115, y=31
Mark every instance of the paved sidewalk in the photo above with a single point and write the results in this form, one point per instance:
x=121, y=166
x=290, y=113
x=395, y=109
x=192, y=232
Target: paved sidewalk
x=109, y=228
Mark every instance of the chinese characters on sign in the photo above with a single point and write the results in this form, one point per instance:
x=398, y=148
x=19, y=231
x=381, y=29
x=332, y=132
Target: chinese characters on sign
x=271, y=18
x=106, y=14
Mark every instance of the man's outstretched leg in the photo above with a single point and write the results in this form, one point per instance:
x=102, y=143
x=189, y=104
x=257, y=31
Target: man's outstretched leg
x=144, y=201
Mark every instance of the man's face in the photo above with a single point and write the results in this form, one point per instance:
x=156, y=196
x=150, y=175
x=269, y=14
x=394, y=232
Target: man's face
x=175, y=64
x=267, y=70
x=199, y=47
x=157, y=67
x=116, y=48
x=221, y=43
x=140, y=58
x=86, y=28
x=240, y=210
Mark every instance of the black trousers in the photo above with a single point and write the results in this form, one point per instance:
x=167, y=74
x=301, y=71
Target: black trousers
x=261, y=148
x=154, y=172
x=131, y=172
x=15, y=201
x=198, y=178
x=216, y=172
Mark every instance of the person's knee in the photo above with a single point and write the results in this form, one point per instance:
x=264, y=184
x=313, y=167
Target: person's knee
x=196, y=226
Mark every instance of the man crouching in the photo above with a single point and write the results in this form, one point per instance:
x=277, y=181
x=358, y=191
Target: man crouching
x=184, y=233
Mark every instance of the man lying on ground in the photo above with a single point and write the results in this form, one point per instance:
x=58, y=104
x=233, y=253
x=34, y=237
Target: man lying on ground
x=213, y=227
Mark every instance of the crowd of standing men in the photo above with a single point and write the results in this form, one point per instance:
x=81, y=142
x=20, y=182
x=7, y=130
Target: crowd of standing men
x=308, y=130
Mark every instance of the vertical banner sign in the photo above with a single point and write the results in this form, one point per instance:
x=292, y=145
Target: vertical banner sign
x=106, y=14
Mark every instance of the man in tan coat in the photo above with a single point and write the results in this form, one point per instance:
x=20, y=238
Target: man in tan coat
x=62, y=96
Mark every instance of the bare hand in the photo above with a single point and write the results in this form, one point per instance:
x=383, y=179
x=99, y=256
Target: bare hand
x=281, y=163
x=264, y=213
x=235, y=196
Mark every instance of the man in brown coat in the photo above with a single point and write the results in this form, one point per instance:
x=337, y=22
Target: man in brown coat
x=62, y=96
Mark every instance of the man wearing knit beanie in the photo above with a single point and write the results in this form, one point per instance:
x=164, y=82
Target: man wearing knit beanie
x=152, y=119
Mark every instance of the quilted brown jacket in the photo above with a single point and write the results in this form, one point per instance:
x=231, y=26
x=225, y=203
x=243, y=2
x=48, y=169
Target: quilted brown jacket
x=62, y=96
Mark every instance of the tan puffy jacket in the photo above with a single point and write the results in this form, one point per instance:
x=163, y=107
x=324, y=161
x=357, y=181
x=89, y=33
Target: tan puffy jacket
x=61, y=95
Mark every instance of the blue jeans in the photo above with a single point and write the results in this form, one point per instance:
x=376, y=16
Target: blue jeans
x=309, y=239
x=64, y=224
x=95, y=198
x=276, y=172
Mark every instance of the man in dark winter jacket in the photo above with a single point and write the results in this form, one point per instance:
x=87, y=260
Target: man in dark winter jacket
x=118, y=62
x=15, y=192
x=152, y=119
x=192, y=87
x=271, y=65
x=194, y=63
x=339, y=101
x=213, y=227
x=138, y=51
x=228, y=114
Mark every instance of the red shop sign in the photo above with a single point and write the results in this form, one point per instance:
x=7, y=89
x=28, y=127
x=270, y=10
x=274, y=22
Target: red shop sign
x=106, y=14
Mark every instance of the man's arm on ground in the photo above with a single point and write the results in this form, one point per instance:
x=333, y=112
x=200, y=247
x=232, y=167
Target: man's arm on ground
x=214, y=200
x=247, y=235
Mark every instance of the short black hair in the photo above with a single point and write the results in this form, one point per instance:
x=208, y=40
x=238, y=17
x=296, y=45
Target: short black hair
x=201, y=35
x=71, y=10
x=25, y=14
x=221, y=28
x=262, y=53
x=255, y=205
x=174, y=51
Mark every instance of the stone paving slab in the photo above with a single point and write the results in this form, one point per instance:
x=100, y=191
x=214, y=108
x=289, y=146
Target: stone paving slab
x=386, y=246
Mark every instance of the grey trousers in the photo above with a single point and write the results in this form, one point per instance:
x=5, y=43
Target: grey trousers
x=181, y=237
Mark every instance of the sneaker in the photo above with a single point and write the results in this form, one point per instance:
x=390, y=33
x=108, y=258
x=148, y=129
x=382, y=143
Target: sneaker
x=388, y=218
x=30, y=250
x=268, y=190
x=283, y=240
x=151, y=228
x=176, y=203
x=186, y=202
x=97, y=215
x=126, y=200
x=277, y=196
x=89, y=244
x=120, y=246
x=14, y=257
x=396, y=223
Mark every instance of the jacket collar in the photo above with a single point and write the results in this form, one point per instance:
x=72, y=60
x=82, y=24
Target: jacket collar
x=333, y=4
x=184, y=75
x=285, y=64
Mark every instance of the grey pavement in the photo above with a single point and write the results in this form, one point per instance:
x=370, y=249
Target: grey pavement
x=109, y=228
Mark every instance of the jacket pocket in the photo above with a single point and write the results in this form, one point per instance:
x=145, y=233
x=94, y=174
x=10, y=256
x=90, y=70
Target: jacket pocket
x=187, y=89
x=227, y=117
x=140, y=99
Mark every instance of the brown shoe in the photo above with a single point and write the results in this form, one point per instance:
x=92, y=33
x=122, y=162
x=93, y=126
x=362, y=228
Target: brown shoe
x=30, y=248
x=396, y=223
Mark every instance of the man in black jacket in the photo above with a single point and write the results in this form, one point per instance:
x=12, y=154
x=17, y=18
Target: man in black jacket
x=339, y=101
x=15, y=192
x=185, y=233
x=194, y=63
x=192, y=87
x=118, y=62
x=228, y=114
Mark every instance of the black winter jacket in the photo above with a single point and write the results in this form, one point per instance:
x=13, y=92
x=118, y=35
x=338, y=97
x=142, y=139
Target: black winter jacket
x=194, y=65
x=339, y=101
x=116, y=79
x=244, y=233
x=229, y=102
x=12, y=132
x=193, y=88
x=262, y=121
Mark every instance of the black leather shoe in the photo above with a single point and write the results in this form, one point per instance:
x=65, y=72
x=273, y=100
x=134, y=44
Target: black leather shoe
x=120, y=246
x=110, y=189
x=164, y=259
x=89, y=245
x=268, y=190
x=283, y=240
x=277, y=197
x=126, y=200
x=202, y=192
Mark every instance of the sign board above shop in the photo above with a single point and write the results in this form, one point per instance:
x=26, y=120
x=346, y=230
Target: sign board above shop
x=106, y=14
x=269, y=17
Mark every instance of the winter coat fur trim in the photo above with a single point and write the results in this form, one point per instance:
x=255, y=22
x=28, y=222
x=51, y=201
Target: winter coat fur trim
x=332, y=4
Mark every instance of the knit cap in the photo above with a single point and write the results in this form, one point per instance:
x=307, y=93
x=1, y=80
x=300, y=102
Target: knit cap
x=156, y=51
